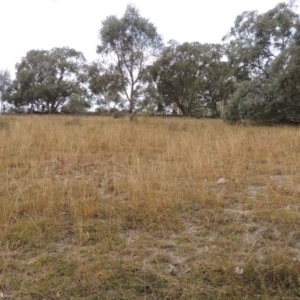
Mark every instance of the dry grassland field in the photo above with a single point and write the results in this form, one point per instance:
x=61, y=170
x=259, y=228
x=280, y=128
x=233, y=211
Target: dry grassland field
x=102, y=208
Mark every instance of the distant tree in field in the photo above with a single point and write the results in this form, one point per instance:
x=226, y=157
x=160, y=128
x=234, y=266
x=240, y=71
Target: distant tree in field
x=129, y=44
x=266, y=60
x=273, y=101
x=215, y=80
x=106, y=85
x=256, y=40
x=5, y=80
x=152, y=102
x=77, y=105
x=46, y=79
x=193, y=76
x=5, y=83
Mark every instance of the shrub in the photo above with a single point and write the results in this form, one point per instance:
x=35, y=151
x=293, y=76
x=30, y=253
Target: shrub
x=273, y=100
x=258, y=102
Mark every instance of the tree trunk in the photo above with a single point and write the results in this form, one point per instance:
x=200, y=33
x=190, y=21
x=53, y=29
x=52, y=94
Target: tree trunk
x=131, y=116
x=1, y=104
x=182, y=108
x=131, y=110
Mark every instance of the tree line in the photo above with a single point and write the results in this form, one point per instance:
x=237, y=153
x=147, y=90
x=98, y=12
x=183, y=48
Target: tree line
x=253, y=74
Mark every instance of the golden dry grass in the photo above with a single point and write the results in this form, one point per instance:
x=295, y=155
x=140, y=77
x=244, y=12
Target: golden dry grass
x=101, y=208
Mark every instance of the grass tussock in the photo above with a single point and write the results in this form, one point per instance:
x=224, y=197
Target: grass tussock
x=101, y=208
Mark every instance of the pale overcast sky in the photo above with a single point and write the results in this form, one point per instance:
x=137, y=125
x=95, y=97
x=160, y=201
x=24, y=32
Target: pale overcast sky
x=44, y=24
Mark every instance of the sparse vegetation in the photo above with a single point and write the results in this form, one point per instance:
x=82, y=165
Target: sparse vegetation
x=112, y=209
x=3, y=123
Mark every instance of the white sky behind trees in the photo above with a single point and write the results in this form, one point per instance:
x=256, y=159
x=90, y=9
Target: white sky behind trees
x=45, y=24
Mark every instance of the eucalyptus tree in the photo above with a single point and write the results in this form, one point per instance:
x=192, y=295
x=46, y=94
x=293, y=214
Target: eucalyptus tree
x=45, y=79
x=256, y=40
x=5, y=82
x=286, y=84
x=106, y=84
x=128, y=45
x=76, y=105
x=215, y=80
x=193, y=76
x=266, y=58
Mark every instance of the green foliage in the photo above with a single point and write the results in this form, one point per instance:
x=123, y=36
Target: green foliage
x=131, y=41
x=259, y=79
x=286, y=83
x=46, y=79
x=273, y=101
x=175, y=73
x=106, y=84
x=193, y=76
x=256, y=40
x=264, y=50
x=5, y=81
x=250, y=102
x=76, y=105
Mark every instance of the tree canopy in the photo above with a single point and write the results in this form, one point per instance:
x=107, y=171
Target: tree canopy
x=254, y=73
x=46, y=79
x=5, y=82
x=193, y=76
x=256, y=40
x=265, y=56
x=129, y=44
x=76, y=105
x=106, y=84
